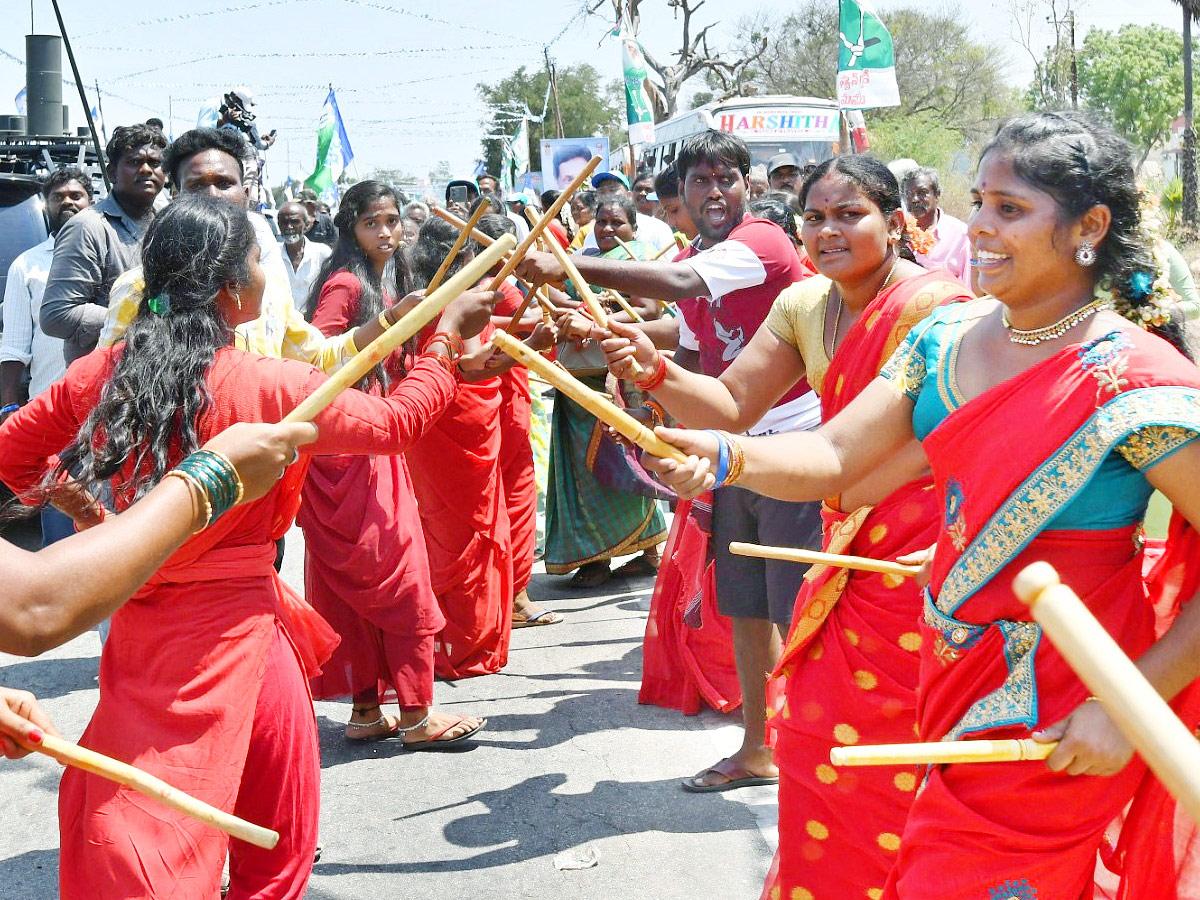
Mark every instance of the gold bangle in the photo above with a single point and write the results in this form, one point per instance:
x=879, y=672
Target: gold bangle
x=196, y=489
x=737, y=459
x=384, y=322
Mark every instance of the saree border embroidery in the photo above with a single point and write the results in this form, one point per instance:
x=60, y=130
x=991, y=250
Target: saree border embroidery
x=1059, y=480
x=1152, y=422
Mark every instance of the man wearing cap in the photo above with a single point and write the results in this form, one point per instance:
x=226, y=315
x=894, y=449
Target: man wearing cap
x=783, y=172
x=650, y=230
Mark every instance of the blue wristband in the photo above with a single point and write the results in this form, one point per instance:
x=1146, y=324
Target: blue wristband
x=722, y=457
x=12, y=407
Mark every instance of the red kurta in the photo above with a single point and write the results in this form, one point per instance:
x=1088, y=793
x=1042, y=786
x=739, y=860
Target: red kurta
x=195, y=686
x=460, y=494
x=366, y=569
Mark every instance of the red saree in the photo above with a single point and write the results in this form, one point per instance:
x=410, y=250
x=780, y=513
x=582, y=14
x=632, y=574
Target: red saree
x=849, y=669
x=366, y=570
x=1018, y=829
x=460, y=494
x=687, y=652
x=202, y=678
x=516, y=456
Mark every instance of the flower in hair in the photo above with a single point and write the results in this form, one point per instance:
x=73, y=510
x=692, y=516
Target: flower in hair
x=159, y=305
x=919, y=240
x=1141, y=283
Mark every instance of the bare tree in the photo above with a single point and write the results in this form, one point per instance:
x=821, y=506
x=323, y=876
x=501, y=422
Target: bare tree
x=1055, y=82
x=694, y=57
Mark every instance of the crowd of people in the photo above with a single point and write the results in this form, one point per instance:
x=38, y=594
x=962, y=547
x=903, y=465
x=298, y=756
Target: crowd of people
x=846, y=366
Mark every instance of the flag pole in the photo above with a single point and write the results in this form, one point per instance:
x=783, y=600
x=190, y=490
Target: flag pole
x=87, y=110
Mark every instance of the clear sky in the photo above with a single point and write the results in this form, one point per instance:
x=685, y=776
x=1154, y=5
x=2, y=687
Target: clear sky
x=405, y=70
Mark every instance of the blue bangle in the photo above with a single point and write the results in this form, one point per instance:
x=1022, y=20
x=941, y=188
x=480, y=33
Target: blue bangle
x=722, y=457
x=12, y=407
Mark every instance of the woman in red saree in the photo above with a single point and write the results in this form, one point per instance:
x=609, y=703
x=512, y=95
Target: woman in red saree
x=1048, y=418
x=203, y=679
x=850, y=663
x=366, y=570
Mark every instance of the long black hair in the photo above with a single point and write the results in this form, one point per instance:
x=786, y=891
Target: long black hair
x=150, y=407
x=351, y=257
x=1081, y=162
x=872, y=178
x=348, y=255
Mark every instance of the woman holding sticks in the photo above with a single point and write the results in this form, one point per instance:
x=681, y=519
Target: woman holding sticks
x=849, y=666
x=599, y=502
x=1048, y=417
x=203, y=678
x=366, y=570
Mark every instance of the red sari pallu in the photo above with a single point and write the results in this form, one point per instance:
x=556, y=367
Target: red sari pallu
x=1018, y=829
x=460, y=493
x=687, y=651
x=202, y=681
x=366, y=570
x=849, y=670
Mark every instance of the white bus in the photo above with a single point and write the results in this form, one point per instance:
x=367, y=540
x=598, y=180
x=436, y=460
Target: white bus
x=771, y=124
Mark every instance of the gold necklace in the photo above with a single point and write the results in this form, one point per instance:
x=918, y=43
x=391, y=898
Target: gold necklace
x=1035, y=336
x=837, y=318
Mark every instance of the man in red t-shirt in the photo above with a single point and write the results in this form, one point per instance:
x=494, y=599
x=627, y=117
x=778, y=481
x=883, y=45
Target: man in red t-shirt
x=726, y=282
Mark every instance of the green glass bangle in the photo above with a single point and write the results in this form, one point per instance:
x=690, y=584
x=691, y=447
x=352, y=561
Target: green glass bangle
x=217, y=477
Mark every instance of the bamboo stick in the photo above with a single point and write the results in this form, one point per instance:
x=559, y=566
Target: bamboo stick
x=616, y=297
x=545, y=220
x=456, y=247
x=1164, y=742
x=581, y=286
x=70, y=754
x=590, y=400
x=417, y=318
x=670, y=248
x=940, y=753
x=799, y=555
x=486, y=241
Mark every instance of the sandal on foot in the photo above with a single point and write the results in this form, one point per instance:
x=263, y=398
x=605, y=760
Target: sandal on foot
x=638, y=567
x=545, y=617
x=735, y=775
x=390, y=724
x=591, y=575
x=437, y=742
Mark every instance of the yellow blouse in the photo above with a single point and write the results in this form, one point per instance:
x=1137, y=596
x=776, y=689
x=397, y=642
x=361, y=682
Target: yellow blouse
x=797, y=317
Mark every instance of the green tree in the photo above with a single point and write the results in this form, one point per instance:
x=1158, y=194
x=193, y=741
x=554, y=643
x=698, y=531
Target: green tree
x=1134, y=77
x=589, y=108
x=921, y=136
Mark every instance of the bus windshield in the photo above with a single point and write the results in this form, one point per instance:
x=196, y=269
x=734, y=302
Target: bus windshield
x=805, y=151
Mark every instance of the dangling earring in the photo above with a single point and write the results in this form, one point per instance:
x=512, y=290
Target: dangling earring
x=1086, y=254
x=237, y=298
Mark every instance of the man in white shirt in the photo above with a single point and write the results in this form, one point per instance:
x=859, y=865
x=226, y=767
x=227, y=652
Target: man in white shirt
x=25, y=347
x=303, y=258
x=650, y=230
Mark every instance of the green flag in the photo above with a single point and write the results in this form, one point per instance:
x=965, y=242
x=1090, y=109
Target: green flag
x=639, y=113
x=333, y=152
x=866, y=59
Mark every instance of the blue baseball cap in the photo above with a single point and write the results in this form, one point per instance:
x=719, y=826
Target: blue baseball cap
x=601, y=177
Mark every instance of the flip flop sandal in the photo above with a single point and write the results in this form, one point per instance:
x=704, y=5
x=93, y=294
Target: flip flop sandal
x=435, y=743
x=591, y=576
x=726, y=768
x=545, y=617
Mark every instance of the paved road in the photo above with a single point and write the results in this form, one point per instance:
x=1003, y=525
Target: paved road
x=569, y=766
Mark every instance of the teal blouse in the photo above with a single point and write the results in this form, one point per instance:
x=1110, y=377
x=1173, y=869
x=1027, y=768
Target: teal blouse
x=1114, y=498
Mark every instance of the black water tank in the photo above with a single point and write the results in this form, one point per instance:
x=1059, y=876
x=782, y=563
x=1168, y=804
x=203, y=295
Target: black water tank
x=43, y=84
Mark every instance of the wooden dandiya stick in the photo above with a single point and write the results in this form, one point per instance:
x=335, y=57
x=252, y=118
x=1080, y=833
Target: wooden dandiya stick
x=456, y=247
x=940, y=753
x=589, y=399
x=586, y=294
x=416, y=319
x=541, y=223
x=670, y=248
x=797, y=554
x=1163, y=741
x=486, y=241
x=70, y=754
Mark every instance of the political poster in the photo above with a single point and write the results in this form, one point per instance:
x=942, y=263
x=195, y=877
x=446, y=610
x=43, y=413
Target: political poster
x=563, y=158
